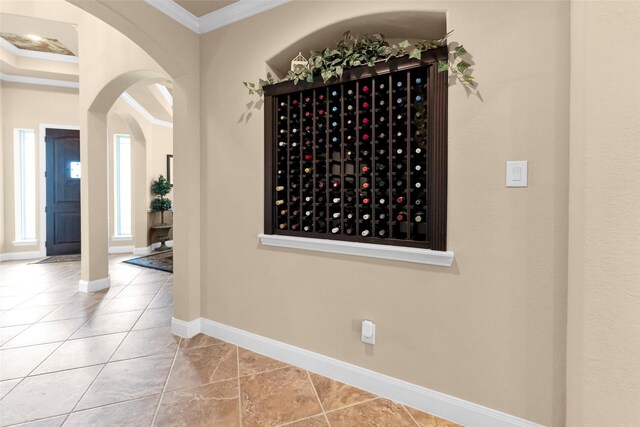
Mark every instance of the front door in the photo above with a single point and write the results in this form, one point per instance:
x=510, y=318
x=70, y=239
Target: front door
x=63, y=191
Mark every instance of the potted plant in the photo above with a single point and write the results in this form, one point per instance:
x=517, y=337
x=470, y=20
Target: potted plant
x=160, y=188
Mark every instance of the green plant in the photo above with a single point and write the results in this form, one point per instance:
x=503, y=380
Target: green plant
x=160, y=188
x=354, y=50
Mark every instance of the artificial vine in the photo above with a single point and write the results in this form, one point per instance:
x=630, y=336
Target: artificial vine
x=354, y=50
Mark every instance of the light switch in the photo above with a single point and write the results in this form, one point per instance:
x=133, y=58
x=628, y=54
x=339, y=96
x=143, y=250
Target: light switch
x=517, y=173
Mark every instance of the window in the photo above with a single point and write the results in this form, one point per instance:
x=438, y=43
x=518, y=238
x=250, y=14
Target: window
x=122, y=185
x=25, y=185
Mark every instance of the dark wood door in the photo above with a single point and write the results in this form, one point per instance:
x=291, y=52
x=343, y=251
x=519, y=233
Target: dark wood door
x=63, y=191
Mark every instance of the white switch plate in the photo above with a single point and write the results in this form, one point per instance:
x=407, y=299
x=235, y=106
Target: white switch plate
x=517, y=173
x=368, y=332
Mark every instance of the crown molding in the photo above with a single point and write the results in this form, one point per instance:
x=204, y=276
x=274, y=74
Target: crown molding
x=37, y=55
x=177, y=13
x=39, y=81
x=235, y=12
x=140, y=109
x=165, y=93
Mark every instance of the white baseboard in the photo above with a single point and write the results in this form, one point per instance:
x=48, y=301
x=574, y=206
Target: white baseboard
x=186, y=329
x=94, y=285
x=120, y=249
x=148, y=249
x=431, y=401
x=15, y=256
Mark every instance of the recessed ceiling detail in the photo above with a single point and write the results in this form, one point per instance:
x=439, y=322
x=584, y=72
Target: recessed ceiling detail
x=37, y=44
x=200, y=8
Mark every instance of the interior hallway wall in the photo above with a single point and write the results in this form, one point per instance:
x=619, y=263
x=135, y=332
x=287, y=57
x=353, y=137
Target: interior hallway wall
x=26, y=107
x=490, y=329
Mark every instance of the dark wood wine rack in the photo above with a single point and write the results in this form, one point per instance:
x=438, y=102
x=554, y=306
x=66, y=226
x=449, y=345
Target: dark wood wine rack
x=361, y=159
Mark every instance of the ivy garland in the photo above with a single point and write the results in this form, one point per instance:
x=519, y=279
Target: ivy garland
x=354, y=50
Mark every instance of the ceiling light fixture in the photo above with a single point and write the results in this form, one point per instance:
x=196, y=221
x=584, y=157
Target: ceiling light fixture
x=34, y=38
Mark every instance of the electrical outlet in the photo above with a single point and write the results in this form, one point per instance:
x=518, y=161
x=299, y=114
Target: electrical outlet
x=368, y=332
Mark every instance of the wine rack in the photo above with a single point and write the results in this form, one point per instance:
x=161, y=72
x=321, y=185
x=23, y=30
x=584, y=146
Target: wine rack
x=360, y=159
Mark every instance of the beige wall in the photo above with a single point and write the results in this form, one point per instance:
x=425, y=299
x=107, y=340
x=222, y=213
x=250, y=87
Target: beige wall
x=28, y=106
x=603, y=356
x=490, y=329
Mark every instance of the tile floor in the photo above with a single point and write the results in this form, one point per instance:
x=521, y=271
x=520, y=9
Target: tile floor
x=109, y=359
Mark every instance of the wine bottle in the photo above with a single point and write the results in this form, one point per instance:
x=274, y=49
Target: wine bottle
x=308, y=199
x=381, y=152
x=365, y=105
x=308, y=170
x=349, y=107
x=320, y=112
x=335, y=230
x=418, y=202
x=382, y=119
x=419, y=217
x=366, y=201
x=307, y=114
x=334, y=108
x=279, y=188
x=308, y=213
x=418, y=167
x=334, y=124
x=382, y=135
x=365, y=121
x=365, y=137
x=308, y=157
x=294, y=130
x=400, y=101
x=380, y=167
x=336, y=200
x=382, y=232
x=402, y=216
x=419, y=98
x=350, y=215
x=282, y=144
x=399, y=151
x=418, y=81
x=400, y=200
x=283, y=212
x=295, y=226
x=364, y=233
x=295, y=213
x=349, y=230
x=381, y=86
x=365, y=169
x=382, y=201
x=283, y=117
x=334, y=139
x=283, y=131
x=295, y=199
x=336, y=215
x=295, y=102
x=321, y=97
x=382, y=216
x=365, y=89
x=418, y=184
x=366, y=185
x=399, y=84
x=364, y=153
x=334, y=93
x=283, y=104
x=307, y=228
x=399, y=166
x=366, y=217
x=349, y=92
x=307, y=99
x=279, y=202
x=381, y=103
x=418, y=150
x=282, y=226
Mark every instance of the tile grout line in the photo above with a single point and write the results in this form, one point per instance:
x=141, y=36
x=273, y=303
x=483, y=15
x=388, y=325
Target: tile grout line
x=239, y=391
x=410, y=416
x=354, y=404
x=313, y=386
x=166, y=382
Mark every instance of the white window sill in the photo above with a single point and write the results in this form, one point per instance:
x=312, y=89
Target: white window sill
x=395, y=253
x=32, y=242
x=122, y=238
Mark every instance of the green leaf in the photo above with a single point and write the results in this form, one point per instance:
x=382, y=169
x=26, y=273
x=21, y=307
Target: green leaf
x=310, y=78
x=295, y=81
x=443, y=66
x=460, y=50
x=339, y=71
x=462, y=66
x=404, y=44
x=416, y=54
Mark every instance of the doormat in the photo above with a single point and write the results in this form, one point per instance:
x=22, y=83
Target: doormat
x=58, y=258
x=161, y=261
